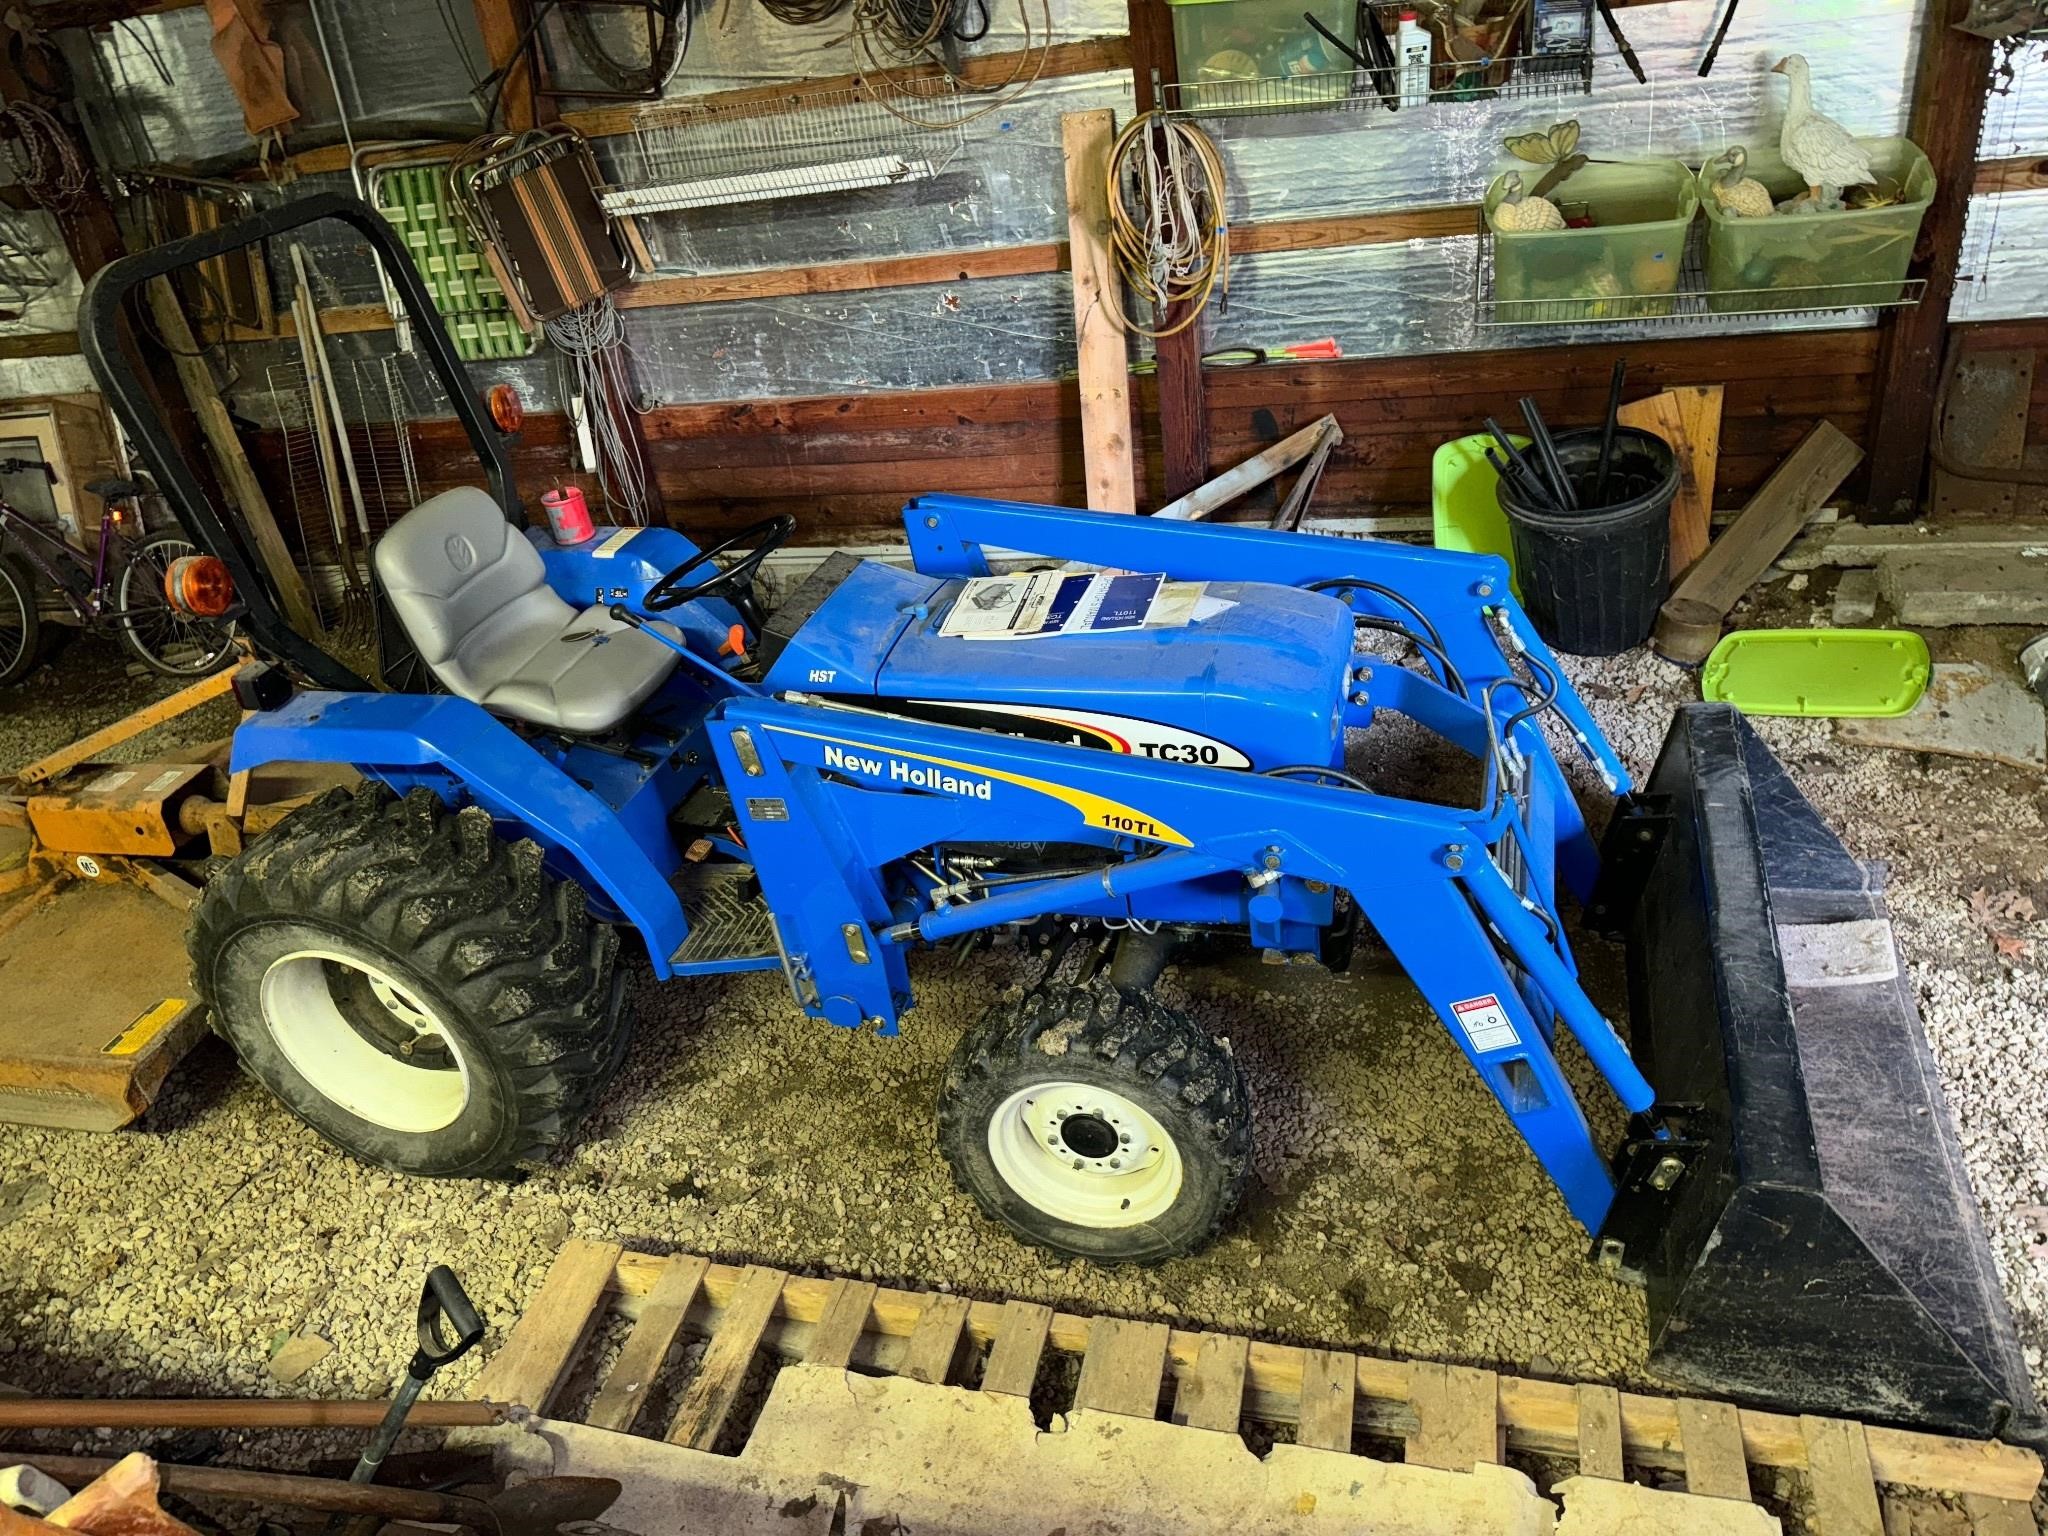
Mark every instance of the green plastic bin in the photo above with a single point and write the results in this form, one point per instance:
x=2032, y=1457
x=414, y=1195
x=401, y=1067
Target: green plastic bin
x=1464, y=510
x=1827, y=673
x=1217, y=41
x=1816, y=260
x=1625, y=267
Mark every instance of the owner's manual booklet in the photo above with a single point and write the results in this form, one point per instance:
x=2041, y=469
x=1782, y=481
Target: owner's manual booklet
x=1032, y=604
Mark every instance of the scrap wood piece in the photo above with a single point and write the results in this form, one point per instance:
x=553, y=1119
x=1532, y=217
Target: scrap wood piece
x=711, y=1392
x=1012, y=1367
x=1710, y=1434
x=1457, y=1410
x=1209, y=1394
x=1689, y=624
x=1838, y=1467
x=632, y=1375
x=1320, y=435
x=1688, y=418
x=1124, y=1367
x=532, y=1364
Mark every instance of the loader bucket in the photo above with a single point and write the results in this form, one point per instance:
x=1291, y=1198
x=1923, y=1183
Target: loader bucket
x=1804, y=1228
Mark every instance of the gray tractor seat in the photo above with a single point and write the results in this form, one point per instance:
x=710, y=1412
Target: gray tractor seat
x=474, y=600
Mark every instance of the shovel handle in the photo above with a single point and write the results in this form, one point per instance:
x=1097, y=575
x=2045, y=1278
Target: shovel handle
x=450, y=1325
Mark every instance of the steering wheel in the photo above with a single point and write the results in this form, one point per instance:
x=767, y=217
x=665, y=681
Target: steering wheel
x=735, y=582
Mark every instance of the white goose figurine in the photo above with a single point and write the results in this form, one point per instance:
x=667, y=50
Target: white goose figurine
x=1823, y=152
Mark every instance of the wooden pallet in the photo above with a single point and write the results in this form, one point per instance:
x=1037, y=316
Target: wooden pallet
x=1445, y=1416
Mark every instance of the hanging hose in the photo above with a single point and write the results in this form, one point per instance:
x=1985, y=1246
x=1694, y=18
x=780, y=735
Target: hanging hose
x=1168, y=232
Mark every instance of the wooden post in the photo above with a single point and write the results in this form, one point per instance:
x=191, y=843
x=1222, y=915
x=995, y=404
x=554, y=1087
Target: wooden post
x=503, y=23
x=1104, y=358
x=1183, y=412
x=1948, y=120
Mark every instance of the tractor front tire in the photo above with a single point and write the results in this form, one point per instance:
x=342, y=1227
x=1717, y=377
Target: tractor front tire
x=417, y=990
x=1098, y=1125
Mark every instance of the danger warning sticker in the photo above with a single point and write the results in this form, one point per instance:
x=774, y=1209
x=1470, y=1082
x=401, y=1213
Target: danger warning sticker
x=1485, y=1023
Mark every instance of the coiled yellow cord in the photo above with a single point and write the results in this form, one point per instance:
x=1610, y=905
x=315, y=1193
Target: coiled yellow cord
x=1169, y=233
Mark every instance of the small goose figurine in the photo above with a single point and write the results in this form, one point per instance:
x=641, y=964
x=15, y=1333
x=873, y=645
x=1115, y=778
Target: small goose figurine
x=1737, y=193
x=1823, y=152
x=1524, y=214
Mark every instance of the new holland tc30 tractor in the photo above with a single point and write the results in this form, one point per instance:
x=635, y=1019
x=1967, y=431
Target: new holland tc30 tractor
x=568, y=751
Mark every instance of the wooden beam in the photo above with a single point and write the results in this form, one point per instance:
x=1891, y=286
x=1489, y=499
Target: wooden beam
x=1103, y=353
x=2028, y=173
x=40, y=344
x=101, y=13
x=1183, y=410
x=503, y=23
x=129, y=726
x=1948, y=121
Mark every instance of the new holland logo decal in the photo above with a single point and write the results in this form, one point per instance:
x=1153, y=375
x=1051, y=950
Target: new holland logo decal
x=976, y=781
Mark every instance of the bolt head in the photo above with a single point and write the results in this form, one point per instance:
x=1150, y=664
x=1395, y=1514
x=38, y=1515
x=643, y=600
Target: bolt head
x=1484, y=589
x=931, y=522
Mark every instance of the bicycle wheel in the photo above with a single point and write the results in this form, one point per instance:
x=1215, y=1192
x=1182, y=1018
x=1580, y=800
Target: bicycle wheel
x=165, y=639
x=21, y=631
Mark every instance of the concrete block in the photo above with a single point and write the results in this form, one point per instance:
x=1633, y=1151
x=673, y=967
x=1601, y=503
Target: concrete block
x=1937, y=588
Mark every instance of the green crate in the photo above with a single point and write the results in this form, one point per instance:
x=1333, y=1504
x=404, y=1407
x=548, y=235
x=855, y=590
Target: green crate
x=1219, y=40
x=1816, y=260
x=1626, y=267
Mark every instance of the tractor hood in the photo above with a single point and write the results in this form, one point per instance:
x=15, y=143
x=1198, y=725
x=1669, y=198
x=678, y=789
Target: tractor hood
x=1254, y=679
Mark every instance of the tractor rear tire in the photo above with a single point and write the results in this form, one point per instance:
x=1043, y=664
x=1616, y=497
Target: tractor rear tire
x=417, y=990
x=1098, y=1125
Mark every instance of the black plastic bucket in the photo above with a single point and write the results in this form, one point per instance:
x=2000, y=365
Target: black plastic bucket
x=1593, y=579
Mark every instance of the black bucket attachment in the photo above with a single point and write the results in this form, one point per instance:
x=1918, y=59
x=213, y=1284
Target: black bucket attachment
x=1806, y=1229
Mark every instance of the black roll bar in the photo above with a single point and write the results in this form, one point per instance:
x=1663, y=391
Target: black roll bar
x=99, y=338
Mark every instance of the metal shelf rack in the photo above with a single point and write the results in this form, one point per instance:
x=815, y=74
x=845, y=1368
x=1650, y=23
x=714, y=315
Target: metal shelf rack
x=1687, y=308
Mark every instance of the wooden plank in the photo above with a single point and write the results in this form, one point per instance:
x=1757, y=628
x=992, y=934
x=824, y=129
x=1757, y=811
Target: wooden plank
x=502, y=25
x=2027, y=173
x=1123, y=1367
x=848, y=276
x=190, y=697
x=709, y=1396
x=1600, y=1433
x=1099, y=341
x=1711, y=1436
x=1457, y=1409
x=1689, y=419
x=40, y=344
x=934, y=1342
x=647, y=1347
x=1949, y=91
x=531, y=1365
x=1999, y=1517
x=1329, y=1397
x=1013, y=1358
x=1838, y=1468
x=1540, y=1416
x=1241, y=479
x=1690, y=619
x=840, y=1326
x=1209, y=1393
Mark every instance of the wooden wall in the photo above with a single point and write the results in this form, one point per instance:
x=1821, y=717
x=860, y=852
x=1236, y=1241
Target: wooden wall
x=845, y=465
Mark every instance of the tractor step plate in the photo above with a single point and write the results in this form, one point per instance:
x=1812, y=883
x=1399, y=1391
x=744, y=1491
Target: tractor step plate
x=728, y=916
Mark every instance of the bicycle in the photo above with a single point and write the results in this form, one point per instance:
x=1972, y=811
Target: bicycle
x=120, y=589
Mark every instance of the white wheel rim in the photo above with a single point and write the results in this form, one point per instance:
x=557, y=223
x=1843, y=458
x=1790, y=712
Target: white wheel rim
x=371, y=1080
x=1085, y=1155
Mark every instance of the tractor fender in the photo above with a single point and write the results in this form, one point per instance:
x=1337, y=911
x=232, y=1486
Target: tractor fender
x=452, y=743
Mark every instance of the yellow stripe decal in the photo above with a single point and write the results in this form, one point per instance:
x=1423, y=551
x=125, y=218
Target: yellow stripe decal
x=145, y=1029
x=1096, y=810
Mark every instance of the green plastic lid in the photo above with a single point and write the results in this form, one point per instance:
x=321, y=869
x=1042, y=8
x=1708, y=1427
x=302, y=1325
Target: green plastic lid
x=1830, y=673
x=1467, y=515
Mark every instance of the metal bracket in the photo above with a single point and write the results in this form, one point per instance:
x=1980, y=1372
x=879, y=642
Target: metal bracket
x=1628, y=852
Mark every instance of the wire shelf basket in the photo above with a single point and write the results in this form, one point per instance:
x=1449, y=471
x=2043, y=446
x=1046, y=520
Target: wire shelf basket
x=1690, y=305
x=796, y=143
x=1523, y=77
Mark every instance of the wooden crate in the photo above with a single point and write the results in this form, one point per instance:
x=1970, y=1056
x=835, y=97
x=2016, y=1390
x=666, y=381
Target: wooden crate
x=1446, y=1416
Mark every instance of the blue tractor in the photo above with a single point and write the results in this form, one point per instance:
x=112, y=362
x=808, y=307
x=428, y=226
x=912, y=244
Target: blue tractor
x=1088, y=730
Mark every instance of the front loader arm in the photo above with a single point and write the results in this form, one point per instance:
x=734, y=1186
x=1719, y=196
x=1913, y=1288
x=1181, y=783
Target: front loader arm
x=866, y=789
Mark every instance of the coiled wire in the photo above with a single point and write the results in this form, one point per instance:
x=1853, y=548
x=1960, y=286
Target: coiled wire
x=1169, y=236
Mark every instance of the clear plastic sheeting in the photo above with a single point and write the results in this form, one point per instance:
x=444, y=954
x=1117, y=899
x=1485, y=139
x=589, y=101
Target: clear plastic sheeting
x=1306, y=163
x=1005, y=186
x=153, y=92
x=2002, y=275
x=733, y=46
x=2016, y=117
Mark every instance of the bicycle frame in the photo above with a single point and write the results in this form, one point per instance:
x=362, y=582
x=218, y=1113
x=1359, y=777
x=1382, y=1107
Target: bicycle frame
x=90, y=605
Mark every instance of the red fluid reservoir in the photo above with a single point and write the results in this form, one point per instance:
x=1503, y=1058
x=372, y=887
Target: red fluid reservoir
x=568, y=516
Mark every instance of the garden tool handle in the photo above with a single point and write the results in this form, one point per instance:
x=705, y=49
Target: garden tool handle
x=450, y=1325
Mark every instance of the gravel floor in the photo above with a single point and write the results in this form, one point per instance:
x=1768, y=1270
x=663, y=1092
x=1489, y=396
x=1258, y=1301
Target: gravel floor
x=1393, y=1210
